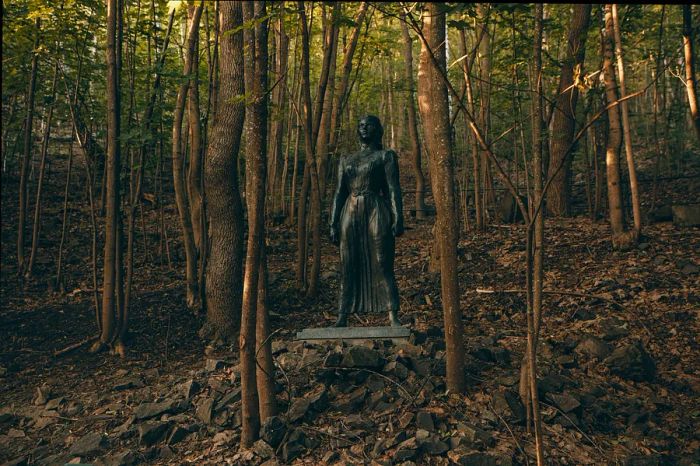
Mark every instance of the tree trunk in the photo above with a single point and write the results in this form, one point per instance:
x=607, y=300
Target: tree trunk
x=634, y=185
x=689, y=55
x=414, y=140
x=194, y=173
x=324, y=128
x=42, y=167
x=614, y=142
x=343, y=88
x=183, y=207
x=265, y=368
x=564, y=116
x=433, y=104
x=484, y=12
x=112, y=295
x=224, y=271
x=27, y=155
x=255, y=62
x=278, y=103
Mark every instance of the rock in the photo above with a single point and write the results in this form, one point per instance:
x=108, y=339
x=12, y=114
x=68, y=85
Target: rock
x=567, y=361
x=405, y=419
x=272, y=431
x=89, y=445
x=178, y=434
x=20, y=461
x=642, y=460
x=396, y=369
x=473, y=436
x=165, y=453
x=501, y=355
x=318, y=399
x=205, y=410
x=686, y=215
x=508, y=402
x=228, y=399
x=149, y=410
x=361, y=356
x=564, y=402
x=127, y=383
x=632, y=362
x=613, y=328
x=43, y=394
x=263, y=449
x=298, y=410
x=151, y=432
x=660, y=214
x=406, y=450
x=471, y=458
x=224, y=438
x=121, y=458
x=190, y=388
x=434, y=446
x=213, y=365
x=483, y=354
x=294, y=446
x=593, y=347
x=424, y=420
x=330, y=457
x=550, y=383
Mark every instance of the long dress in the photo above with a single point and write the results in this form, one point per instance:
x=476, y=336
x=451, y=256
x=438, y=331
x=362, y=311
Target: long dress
x=366, y=206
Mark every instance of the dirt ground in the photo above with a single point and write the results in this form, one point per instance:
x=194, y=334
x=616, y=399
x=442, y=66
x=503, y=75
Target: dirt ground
x=618, y=357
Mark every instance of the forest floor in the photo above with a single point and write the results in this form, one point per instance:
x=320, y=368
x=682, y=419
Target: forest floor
x=618, y=359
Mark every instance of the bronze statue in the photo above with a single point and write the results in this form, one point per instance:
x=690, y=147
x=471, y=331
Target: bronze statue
x=366, y=215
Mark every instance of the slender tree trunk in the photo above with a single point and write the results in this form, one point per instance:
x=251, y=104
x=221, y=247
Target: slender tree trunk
x=42, y=167
x=178, y=169
x=27, y=155
x=343, y=90
x=433, y=104
x=112, y=284
x=265, y=368
x=476, y=162
x=324, y=129
x=484, y=13
x=564, y=116
x=255, y=62
x=278, y=126
x=634, y=185
x=689, y=55
x=226, y=230
x=614, y=142
x=414, y=140
x=194, y=174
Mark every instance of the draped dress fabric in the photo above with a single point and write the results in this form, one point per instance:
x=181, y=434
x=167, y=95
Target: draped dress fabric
x=367, y=204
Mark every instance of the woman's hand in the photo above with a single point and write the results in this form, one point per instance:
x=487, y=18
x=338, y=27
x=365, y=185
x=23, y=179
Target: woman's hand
x=335, y=237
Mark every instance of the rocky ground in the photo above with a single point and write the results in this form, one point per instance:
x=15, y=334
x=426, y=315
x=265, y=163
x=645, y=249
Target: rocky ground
x=618, y=359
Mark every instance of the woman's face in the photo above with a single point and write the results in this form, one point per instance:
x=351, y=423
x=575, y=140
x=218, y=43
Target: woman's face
x=367, y=129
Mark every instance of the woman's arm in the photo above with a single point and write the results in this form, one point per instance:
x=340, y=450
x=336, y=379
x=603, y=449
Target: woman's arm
x=341, y=195
x=391, y=169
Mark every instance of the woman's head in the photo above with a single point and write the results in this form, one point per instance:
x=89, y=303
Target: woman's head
x=370, y=130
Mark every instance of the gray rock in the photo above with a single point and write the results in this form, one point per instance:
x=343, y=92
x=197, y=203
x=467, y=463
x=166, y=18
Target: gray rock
x=686, y=215
x=205, y=410
x=564, y=402
x=177, y=435
x=330, y=457
x=263, y=449
x=613, y=328
x=129, y=382
x=318, y=400
x=424, y=420
x=508, y=402
x=406, y=450
x=121, y=458
x=593, y=347
x=361, y=356
x=434, y=446
x=294, y=446
x=43, y=394
x=151, y=432
x=471, y=458
x=298, y=409
x=228, y=399
x=213, y=365
x=89, y=445
x=272, y=431
x=632, y=362
x=550, y=383
x=149, y=410
x=190, y=388
x=396, y=369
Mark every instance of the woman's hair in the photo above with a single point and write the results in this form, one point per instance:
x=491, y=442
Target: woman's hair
x=378, y=124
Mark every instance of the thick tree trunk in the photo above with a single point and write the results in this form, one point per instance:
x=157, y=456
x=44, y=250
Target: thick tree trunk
x=564, y=116
x=224, y=272
x=634, y=185
x=614, y=142
x=183, y=207
x=27, y=154
x=255, y=62
x=689, y=55
x=433, y=104
x=414, y=140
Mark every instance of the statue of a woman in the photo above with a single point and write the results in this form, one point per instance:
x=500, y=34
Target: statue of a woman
x=366, y=215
